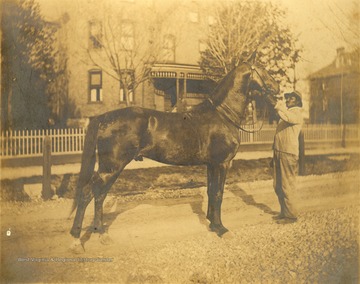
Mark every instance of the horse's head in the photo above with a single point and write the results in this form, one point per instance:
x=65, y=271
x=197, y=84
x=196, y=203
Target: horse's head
x=260, y=80
x=239, y=86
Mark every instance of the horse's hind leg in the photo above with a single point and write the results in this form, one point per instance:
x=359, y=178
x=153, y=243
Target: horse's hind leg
x=108, y=179
x=216, y=191
x=100, y=195
x=83, y=200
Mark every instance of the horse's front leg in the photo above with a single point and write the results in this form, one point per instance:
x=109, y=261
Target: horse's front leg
x=218, y=177
x=210, y=209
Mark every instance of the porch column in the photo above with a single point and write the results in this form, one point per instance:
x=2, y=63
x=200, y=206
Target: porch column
x=177, y=90
x=185, y=87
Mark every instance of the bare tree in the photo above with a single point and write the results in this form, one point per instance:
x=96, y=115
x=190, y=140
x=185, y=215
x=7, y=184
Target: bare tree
x=126, y=47
x=239, y=28
x=343, y=23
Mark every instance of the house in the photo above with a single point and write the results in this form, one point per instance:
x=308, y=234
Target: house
x=334, y=90
x=109, y=45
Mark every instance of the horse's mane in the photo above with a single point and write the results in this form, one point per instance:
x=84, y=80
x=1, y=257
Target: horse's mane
x=222, y=89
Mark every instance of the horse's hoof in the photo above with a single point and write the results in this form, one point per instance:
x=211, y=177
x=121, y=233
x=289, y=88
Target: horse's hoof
x=105, y=239
x=218, y=229
x=227, y=235
x=77, y=247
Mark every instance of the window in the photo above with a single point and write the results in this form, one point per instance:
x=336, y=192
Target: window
x=150, y=3
x=323, y=86
x=128, y=79
x=95, y=85
x=194, y=16
x=211, y=20
x=169, y=48
x=127, y=36
x=194, y=12
x=122, y=95
x=202, y=46
x=95, y=34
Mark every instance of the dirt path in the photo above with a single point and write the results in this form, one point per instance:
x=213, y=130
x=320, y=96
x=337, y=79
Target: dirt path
x=168, y=241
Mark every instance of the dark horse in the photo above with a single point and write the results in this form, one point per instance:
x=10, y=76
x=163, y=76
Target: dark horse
x=207, y=135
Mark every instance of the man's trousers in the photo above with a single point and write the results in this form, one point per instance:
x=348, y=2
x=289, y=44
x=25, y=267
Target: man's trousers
x=285, y=167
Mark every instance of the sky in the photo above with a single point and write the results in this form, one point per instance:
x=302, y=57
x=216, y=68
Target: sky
x=314, y=22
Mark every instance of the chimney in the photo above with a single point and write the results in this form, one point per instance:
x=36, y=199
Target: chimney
x=340, y=51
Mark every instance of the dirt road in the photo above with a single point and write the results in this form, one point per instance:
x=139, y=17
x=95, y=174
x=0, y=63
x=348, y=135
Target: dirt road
x=168, y=240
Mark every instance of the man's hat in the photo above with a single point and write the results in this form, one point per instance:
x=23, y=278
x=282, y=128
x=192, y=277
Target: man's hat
x=294, y=94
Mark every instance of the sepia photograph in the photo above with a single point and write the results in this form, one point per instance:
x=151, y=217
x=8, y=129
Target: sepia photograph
x=180, y=141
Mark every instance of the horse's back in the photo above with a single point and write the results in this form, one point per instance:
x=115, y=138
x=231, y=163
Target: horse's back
x=173, y=138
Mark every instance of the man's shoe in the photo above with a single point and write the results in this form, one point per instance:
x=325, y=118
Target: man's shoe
x=278, y=217
x=285, y=221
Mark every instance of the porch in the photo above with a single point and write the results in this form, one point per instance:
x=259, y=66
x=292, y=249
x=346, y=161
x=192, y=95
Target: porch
x=180, y=85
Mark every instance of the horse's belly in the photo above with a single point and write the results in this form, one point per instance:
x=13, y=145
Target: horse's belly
x=176, y=153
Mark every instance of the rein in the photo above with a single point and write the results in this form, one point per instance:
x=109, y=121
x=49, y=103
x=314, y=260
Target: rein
x=257, y=130
x=252, y=69
x=226, y=112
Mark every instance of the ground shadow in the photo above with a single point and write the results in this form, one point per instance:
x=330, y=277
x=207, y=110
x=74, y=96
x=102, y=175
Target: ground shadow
x=196, y=207
x=195, y=202
x=64, y=185
x=249, y=200
x=108, y=218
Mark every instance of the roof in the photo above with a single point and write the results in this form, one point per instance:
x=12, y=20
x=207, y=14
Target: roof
x=344, y=63
x=176, y=67
x=175, y=70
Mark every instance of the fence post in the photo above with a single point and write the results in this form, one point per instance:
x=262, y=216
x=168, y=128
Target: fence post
x=301, y=154
x=46, y=186
x=343, y=137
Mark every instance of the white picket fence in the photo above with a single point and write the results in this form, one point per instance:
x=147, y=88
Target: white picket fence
x=312, y=133
x=20, y=143
x=67, y=141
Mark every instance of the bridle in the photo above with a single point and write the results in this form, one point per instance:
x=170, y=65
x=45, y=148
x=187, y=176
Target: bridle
x=230, y=115
x=249, y=96
x=252, y=70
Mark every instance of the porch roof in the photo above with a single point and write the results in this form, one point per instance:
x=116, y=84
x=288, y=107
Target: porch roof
x=172, y=70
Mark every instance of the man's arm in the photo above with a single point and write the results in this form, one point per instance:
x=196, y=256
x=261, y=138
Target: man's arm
x=290, y=116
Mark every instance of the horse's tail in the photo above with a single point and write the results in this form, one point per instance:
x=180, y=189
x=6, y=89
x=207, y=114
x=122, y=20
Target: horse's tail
x=88, y=160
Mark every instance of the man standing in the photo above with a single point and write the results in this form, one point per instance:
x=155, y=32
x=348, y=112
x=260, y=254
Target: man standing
x=286, y=154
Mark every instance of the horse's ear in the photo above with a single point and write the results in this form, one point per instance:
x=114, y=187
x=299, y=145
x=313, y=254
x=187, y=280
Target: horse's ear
x=251, y=59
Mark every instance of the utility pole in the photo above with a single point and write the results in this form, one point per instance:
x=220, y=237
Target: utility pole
x=343, y=144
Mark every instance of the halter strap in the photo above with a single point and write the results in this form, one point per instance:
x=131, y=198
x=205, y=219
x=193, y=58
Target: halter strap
x=231, y=116
x=252, y=68
x=227, y=113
